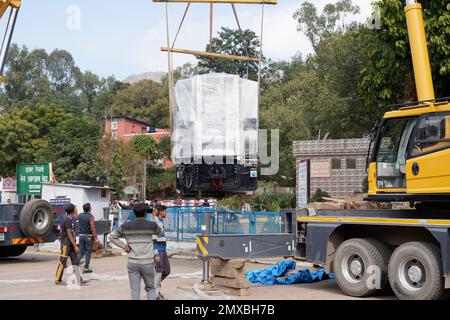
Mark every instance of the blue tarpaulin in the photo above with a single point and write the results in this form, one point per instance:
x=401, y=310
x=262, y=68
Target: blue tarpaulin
x=284, y=273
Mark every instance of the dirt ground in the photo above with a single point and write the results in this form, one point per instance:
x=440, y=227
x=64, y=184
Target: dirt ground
x=30, y=277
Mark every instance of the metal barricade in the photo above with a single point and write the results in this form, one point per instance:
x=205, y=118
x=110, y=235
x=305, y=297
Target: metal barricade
x=184, y=223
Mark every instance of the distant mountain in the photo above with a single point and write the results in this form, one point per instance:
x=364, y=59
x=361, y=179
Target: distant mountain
x=155, y=76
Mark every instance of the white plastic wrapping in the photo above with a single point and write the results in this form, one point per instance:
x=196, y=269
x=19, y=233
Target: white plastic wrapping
x=215, y=115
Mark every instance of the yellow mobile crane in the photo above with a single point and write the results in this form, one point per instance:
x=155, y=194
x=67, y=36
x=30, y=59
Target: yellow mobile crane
x=14, y=6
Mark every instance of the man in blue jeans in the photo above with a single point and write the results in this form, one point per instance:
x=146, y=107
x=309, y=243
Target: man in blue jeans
x=141, y=254
x=88, y=235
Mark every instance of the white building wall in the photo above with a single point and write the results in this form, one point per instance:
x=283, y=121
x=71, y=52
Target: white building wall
x=78, y=195
x=98, y=203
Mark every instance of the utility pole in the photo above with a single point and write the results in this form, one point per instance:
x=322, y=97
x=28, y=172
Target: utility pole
x=144, y=182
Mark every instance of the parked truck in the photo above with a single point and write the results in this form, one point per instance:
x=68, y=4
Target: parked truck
x=35, y=222
x=23, y=225
x=372, y=250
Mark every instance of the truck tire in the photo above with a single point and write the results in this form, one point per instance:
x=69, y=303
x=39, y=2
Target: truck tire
x=12, y=251
x=415, y=272
x=36, y=218
x=361, y=267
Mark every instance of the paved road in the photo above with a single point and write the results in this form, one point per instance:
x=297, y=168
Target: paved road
x=30, y=276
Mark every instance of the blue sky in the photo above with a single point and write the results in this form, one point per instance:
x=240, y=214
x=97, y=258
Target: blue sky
x=124, y=37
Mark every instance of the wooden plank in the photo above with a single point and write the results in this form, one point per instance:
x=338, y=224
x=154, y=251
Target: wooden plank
x=237, y=263
x=210, y=54
x=334, y=200
x=221, y=1
x=226, y=271
x=237, y=283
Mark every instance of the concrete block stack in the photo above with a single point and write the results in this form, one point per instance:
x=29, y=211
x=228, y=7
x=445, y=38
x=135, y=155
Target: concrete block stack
x=229, y=276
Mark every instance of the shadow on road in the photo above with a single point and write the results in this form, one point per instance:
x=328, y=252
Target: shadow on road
x=27, y=258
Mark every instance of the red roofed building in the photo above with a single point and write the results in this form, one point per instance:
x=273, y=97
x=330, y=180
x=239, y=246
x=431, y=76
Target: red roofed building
x=125, y=128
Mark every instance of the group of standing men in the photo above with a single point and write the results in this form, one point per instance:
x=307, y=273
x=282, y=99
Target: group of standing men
x=143, y=240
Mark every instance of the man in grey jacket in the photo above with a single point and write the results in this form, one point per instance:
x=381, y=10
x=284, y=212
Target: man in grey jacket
x=142, y=256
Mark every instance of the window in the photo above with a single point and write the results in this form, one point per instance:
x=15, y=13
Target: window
x=389, y=144
x=392, y=152
x=114, y=125
x=336, y=164
x=114, y=135
x=350, y=163
x=433, y=133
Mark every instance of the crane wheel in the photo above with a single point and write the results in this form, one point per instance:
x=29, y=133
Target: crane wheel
x=415, y=272
x=361, y=267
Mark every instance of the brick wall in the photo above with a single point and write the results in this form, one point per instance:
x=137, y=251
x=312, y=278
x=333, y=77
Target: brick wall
x=339, y=182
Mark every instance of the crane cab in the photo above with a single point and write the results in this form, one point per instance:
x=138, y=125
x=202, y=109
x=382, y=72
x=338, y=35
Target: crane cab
x=410, y=159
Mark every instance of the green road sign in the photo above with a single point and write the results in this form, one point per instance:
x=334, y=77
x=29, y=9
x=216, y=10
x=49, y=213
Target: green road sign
x=31, y=176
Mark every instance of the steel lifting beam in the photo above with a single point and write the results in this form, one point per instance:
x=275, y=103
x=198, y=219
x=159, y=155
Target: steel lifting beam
x=210, y=54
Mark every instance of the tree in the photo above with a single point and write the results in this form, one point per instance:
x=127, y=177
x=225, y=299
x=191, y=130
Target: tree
x=332, y=20
x=19, y=68
x=109, y=88
x=186, y=71
x=90, y=86
x=349, y=116
x=72, y=148
x=162, y=183
x=34, y=77
x=233, y=42
x=388, y=76
x=24, y=133
x=146, y=148
x=145, y=100
x=163, y=148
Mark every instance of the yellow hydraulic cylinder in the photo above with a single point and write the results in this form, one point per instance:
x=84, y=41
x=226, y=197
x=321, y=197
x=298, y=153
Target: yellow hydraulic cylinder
x=419, y=51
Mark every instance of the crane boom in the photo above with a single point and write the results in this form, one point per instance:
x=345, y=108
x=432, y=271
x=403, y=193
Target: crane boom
x=14, y=6
x=419, y=51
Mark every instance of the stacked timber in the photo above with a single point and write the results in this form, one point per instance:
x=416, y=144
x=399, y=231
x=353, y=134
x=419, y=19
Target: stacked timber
x=355, y=201
x=229, y=276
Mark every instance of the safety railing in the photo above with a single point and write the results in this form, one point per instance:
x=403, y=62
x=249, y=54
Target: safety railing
x=184, y=223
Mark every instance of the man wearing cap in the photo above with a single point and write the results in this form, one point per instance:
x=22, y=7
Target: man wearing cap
x=142, y=257
x=160, y=244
